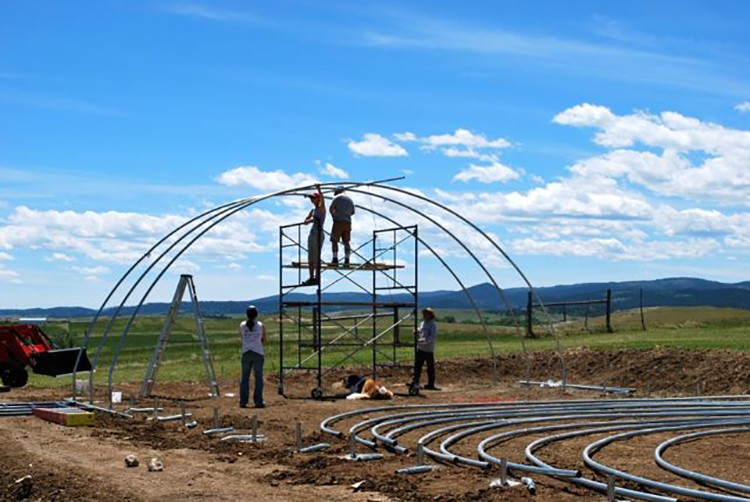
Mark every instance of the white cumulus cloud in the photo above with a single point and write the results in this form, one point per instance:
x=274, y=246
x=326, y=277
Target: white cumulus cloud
x=669, y=153
x=743, y=107
x=7, y=275
x=96, y=270
x=263, y=180
x=122, y=237
x=493, y=173
x=375, y=145
x=59, y=257
x=405, y=136
x=464, y=137
x=614, y=249
x=334, y=172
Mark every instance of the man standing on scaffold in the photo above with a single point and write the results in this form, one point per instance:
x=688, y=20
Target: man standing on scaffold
x=317, y=217
x=342, y=210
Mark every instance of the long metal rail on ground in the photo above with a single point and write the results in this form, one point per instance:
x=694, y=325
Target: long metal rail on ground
x=442, y=432
x=21, y=409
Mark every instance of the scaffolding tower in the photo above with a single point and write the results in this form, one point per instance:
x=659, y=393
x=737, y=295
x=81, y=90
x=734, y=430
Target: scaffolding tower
x=322, y=333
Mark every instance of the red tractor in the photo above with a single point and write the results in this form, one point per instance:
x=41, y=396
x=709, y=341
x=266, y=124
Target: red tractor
x=26, y=345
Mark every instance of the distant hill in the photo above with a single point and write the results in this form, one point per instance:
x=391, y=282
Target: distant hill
x=680, y=291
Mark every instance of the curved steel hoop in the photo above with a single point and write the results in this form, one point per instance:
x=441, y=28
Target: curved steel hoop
x=198, y=226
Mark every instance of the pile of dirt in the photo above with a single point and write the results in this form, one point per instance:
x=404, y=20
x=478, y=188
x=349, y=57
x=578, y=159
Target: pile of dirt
x=672, y=370
x=22, y=477
x=169, y=436
x=439, y=485
x=676, y=371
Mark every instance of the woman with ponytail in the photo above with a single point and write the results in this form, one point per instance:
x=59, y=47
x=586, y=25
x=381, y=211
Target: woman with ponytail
x=253, y=335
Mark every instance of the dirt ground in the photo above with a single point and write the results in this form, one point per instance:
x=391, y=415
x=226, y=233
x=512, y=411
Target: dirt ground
x=43, y=461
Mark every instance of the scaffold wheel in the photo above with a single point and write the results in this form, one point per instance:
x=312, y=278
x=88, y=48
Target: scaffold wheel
x=316, y=393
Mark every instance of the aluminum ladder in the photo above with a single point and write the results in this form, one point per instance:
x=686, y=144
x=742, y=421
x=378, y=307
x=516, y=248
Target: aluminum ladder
x=186, y=282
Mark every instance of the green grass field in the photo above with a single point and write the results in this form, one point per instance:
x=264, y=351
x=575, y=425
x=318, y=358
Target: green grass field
x=692, y=328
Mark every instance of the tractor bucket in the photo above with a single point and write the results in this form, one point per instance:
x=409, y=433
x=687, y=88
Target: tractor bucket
x=61, y=362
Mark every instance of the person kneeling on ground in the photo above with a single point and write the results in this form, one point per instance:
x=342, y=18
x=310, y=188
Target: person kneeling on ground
x=426, y=336
x=367, y=389
x=253, y=335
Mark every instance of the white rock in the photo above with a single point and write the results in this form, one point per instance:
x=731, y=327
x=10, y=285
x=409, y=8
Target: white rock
x=155, y=465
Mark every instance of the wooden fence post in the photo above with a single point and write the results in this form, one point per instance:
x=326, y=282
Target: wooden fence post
x=529, y=315
x=643, y=319
x=609, y=311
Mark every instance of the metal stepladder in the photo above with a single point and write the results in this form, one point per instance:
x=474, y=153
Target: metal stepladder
x=186, y=282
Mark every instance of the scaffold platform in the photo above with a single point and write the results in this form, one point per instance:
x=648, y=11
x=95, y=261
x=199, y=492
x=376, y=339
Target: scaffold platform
x=366, y=267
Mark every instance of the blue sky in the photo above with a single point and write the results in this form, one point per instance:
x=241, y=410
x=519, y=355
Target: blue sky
x=596, y=140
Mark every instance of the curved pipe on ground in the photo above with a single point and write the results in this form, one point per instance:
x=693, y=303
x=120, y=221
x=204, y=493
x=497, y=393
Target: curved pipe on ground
x=594, y=447
x=458, y=422
x=697, y=476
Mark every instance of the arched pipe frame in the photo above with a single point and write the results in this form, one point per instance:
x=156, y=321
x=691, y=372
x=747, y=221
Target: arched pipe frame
x=195, y=228
x=490, y=426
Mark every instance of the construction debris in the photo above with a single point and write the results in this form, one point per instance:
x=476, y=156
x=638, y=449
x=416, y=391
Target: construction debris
x=131, y=461
x=22, y=488
x=144, y=410
x=597, y=388
x=69, y=417
x=17, y=409
x=244, y=438
x=155, y=465
x=211, y=432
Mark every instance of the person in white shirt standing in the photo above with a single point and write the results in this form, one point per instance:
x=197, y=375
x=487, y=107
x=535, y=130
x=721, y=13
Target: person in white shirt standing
x=426, y=337
x=253, y=335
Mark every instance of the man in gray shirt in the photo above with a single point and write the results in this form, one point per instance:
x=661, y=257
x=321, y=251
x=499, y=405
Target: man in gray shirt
x=342, y=210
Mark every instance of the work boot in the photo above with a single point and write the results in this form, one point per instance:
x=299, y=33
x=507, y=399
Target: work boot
x=346, y=261
x=335, y=260
x=431, y=387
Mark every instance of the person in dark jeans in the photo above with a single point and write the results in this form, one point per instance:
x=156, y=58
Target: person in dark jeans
x=253, y=335
x=426, y=336
x=317, y=218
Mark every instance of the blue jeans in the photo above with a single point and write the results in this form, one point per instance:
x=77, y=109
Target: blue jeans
x=251, y=361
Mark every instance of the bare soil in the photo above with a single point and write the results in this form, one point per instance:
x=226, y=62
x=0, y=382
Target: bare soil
x=44, y=461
